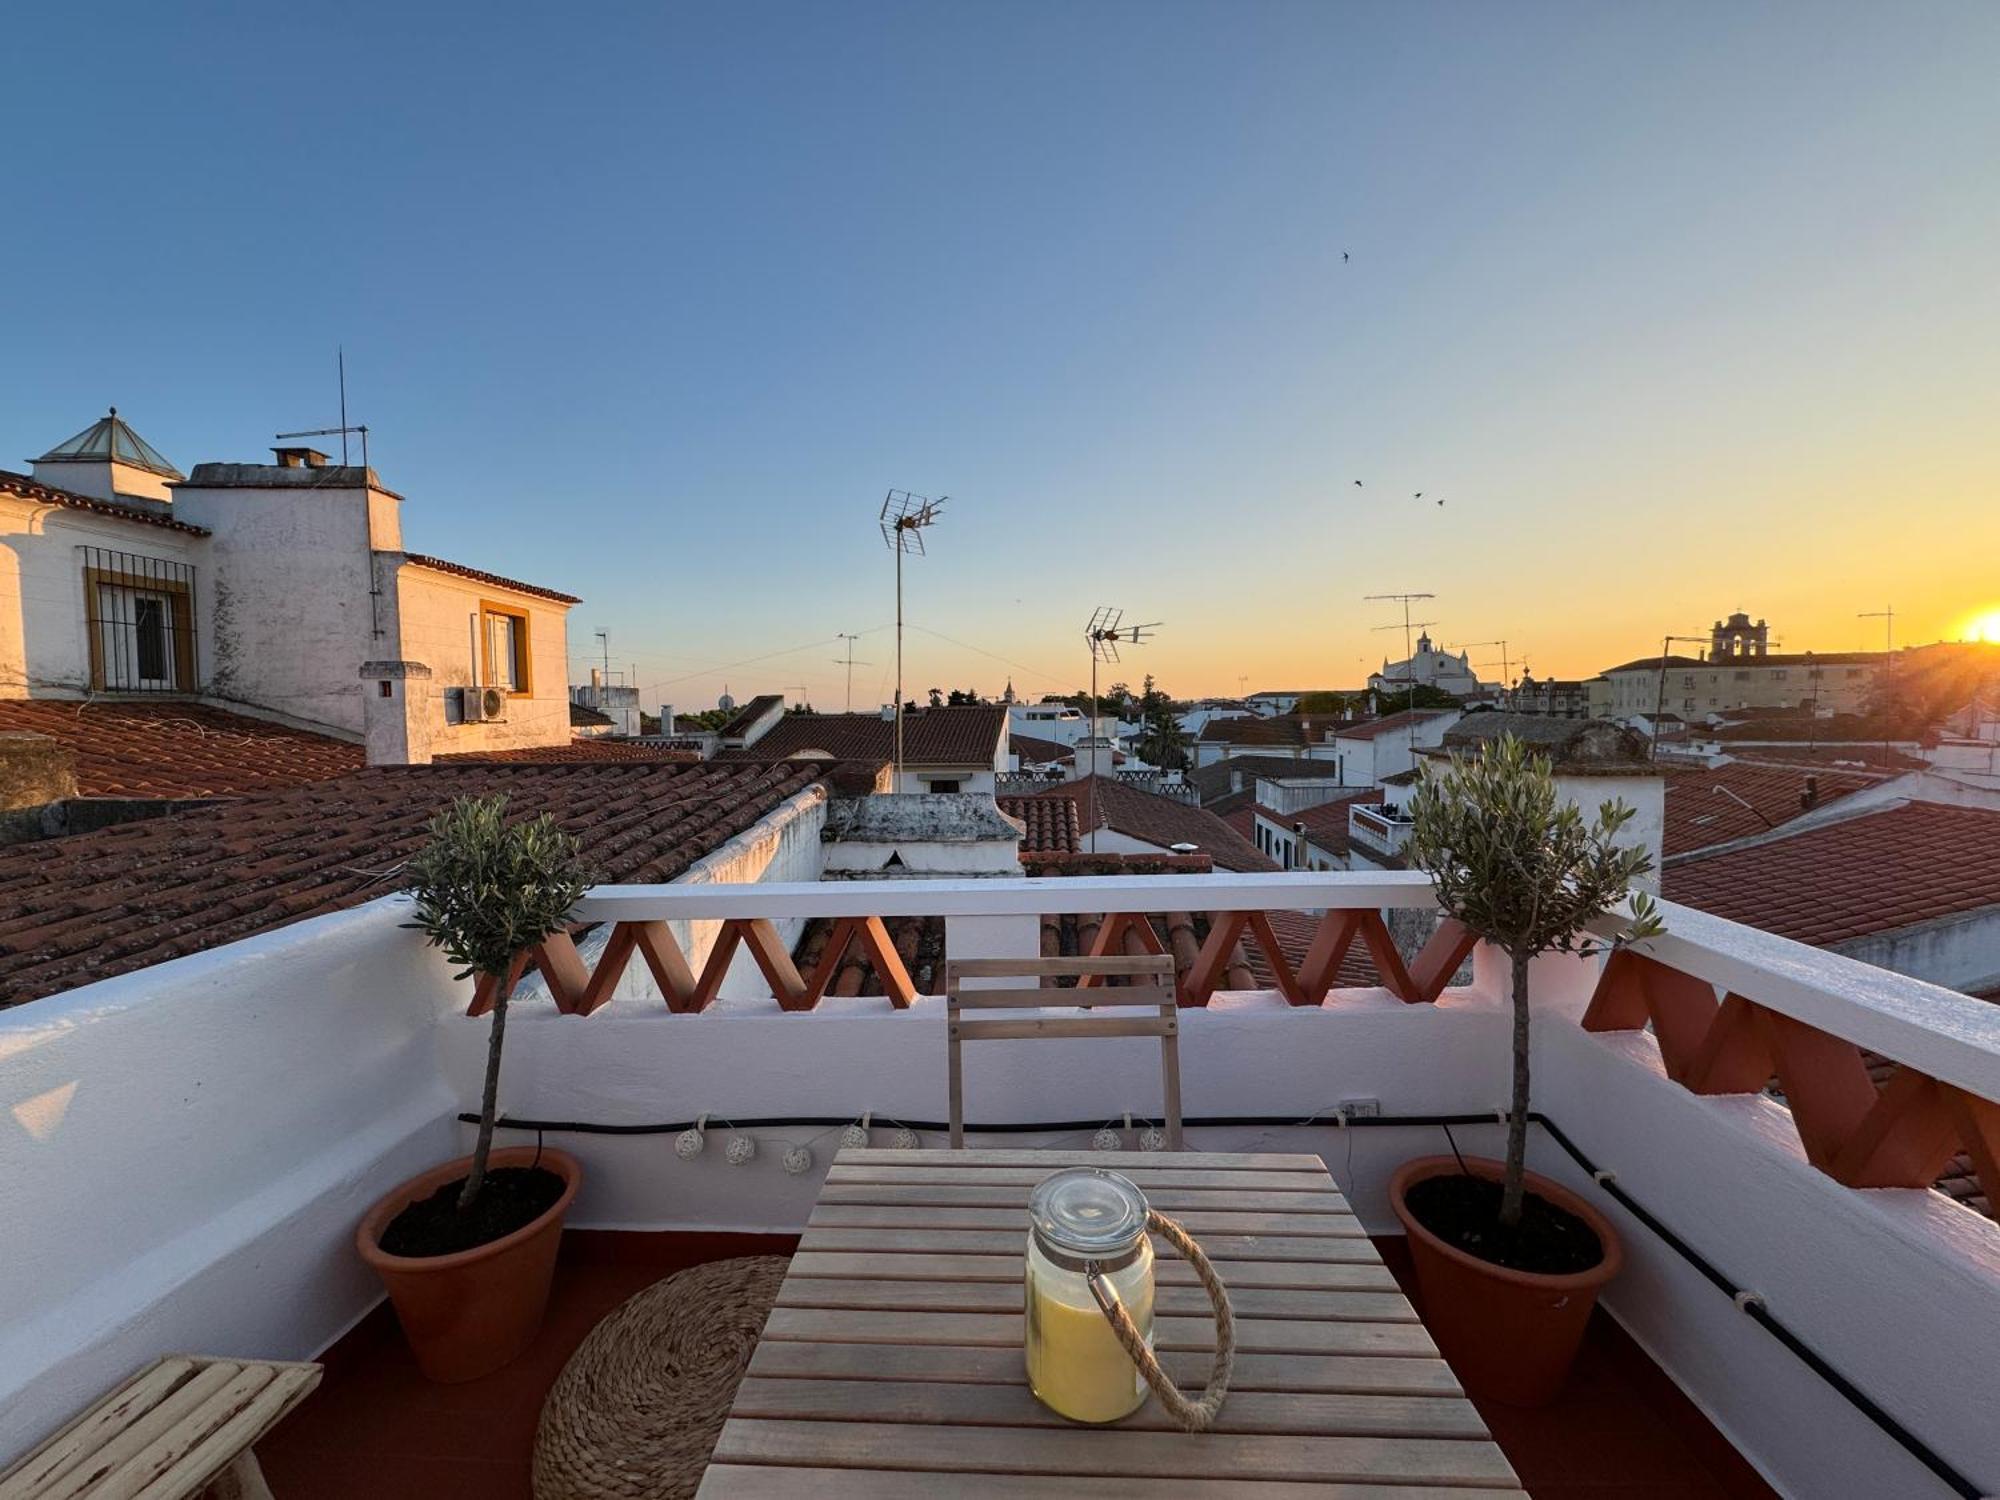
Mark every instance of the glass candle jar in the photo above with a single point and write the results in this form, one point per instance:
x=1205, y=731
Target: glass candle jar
x=1081, y=1219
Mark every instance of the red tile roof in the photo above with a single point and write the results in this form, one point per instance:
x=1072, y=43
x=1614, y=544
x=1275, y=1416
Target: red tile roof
x=480, y=575
x=1401, y=719
x=1051, y=823
x=47, y=494
x=584, y=751
x=740, y=723
x=1213, y=780
x=1702, y=806
x=1036, y=751
x=1295, y=931
x=92, y=905
x=1160, y=821
x=1326, y=824
x=1851, y=757
x=1873, y=873
x=955, y=736
x=1285, y=729
x=129, y=749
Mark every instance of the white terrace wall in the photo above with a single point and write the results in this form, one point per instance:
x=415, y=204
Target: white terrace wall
x=634, y=1063
x=1899, y=1289
x=184, y=1153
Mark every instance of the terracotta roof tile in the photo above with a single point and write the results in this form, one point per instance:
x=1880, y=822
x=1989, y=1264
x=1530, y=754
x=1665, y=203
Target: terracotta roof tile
x=47, y=494
x=578, y=752
x=1036, y=751
x=480, y=575
x=1873, y=873
x=956, y=736
x=1326, y=823
x=1401, y=719
x=93, y=905
x=1702, y=806
x=168, y=749
x=1051, y=823
x=1160, y=820
x=1212, y=781
x=745, y=718
x=1284, y=729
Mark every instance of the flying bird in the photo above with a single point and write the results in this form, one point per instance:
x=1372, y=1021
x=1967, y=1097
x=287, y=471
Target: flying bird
x=1357, y=484
x=1440, y=502
x=1343, y=257
x=1420, y=494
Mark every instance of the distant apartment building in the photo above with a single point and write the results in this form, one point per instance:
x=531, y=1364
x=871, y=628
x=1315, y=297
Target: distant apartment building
x=283, y=590
x=1557, y=697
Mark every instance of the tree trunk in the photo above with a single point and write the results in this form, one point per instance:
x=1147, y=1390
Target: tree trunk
x=489, y=1101
x=1517, y=1114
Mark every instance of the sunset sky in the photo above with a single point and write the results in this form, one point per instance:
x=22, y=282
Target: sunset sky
x=1679, y=308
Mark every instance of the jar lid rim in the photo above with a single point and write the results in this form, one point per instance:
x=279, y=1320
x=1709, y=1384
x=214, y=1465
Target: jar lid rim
x=1088, y=1212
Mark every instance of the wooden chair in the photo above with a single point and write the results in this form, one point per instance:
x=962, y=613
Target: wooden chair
x=1152, y=985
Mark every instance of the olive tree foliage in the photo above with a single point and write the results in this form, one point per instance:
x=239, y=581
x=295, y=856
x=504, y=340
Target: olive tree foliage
x=1528, y=873
x=485, y=890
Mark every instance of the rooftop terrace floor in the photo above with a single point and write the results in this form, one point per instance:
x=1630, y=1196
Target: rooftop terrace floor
x=1620, y=1429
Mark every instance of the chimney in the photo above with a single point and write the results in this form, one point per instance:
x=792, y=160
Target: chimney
x=398, y=708
x=888, y=712
x=301, y=458
x=666, y=718
x=1809, y=798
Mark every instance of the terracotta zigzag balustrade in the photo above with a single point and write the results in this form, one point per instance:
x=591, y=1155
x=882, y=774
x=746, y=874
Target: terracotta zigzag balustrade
x=1419, y=983
x=578, y=989
x=1900, y=1135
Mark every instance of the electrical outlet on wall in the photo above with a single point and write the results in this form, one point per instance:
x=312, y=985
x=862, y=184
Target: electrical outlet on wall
x=1361, y=1109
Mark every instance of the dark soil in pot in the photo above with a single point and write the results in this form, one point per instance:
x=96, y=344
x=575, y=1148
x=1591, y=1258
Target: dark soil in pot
x=1464, y=1212
x=511, y=1198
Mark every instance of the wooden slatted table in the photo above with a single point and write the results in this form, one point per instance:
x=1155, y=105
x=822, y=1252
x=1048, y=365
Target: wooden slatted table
x=891, y=1366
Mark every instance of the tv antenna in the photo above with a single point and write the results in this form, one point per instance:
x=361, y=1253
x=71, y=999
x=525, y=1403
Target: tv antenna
x=1506, y=662
x=1104, y=633
x=343, y=429
x=1409, y=650
x=904, y=518
x=850, y=663
x=1660, y=702
x=604, y=640
x=1887, y=615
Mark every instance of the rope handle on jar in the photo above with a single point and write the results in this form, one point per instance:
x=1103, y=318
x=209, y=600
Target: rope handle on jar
x=1193, y=1416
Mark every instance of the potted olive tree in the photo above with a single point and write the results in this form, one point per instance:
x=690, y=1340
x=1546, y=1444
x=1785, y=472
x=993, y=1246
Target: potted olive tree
x=467, y=1250
x=1509, y=1263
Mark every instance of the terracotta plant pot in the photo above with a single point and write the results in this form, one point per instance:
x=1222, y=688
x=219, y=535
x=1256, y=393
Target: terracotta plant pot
x=468, y=1314
x=1510, y=1335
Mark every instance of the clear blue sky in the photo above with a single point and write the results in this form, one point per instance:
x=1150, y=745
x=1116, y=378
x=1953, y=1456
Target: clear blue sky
x=1680, y=307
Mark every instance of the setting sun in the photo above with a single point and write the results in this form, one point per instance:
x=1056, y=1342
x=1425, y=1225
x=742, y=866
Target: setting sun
x=1984, y=626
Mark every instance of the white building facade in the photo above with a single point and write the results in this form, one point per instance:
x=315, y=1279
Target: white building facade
x=265, y=588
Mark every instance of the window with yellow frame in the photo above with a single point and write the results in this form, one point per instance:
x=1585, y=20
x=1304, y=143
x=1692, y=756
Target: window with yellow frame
x=504, y=655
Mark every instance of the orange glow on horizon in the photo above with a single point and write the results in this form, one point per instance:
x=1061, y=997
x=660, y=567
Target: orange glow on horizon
x=1984, y=626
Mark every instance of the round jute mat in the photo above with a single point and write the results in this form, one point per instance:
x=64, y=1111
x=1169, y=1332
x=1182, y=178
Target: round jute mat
x=635, y=1413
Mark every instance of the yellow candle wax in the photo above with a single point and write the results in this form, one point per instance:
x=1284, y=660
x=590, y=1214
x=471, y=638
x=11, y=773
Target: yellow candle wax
x=1076, y=1365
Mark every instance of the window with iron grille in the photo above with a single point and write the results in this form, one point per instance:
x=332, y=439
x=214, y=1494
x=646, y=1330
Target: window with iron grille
x=139, y=614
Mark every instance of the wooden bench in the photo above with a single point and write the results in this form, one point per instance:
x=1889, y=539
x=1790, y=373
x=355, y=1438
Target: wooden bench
x=180, y=1428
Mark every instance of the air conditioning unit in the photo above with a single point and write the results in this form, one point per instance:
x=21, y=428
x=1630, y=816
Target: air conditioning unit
x=478, y=705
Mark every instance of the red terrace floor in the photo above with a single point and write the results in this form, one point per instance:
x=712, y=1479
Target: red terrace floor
x=377, y=1428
